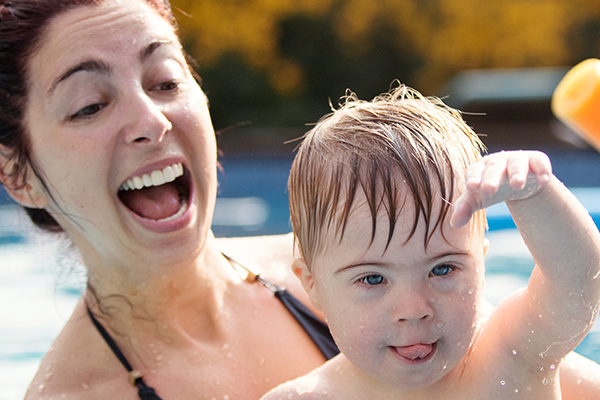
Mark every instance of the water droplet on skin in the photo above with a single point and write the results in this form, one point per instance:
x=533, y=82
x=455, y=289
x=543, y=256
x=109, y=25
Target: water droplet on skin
x=224, y=348
x=261, y=362
x=541, y=369
x=290, y=395
x=544, y=381
x=40, y=389
x=502, y=383
x=470, y=291
x=516, y=390
x=226, y=397
x=440, y=324
x=553, y=367
x=229, y=355
x=459, y=344
x=514, y=352
x=361, y=327
x=528, y=388
x=48, y=376
x=159, y=357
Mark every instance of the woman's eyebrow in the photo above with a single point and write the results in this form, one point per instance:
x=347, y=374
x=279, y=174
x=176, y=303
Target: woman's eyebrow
x=88, y=66
x=101, y=67
x=148, y=50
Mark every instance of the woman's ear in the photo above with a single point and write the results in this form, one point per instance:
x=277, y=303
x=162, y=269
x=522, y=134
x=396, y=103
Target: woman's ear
x=303, y=273
x=26, y=188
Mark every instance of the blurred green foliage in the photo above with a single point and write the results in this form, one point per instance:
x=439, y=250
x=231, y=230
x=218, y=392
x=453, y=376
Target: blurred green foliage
x=277, y=63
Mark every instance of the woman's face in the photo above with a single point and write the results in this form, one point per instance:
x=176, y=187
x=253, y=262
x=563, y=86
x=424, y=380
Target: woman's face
x=111, y=100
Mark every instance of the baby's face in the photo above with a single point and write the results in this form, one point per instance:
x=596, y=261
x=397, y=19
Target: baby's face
x=406, y=315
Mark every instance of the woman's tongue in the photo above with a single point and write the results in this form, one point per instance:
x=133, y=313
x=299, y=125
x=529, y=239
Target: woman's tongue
x=156, y=202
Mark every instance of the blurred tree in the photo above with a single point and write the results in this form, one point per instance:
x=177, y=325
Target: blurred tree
x=277, y=62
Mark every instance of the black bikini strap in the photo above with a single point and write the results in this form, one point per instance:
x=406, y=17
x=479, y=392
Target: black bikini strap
x=313, y=326
x=145, y=392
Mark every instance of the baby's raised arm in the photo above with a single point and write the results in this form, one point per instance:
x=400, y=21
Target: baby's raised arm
x=548, y=319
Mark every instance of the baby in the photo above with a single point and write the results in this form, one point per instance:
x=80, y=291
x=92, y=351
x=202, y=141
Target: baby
x=388, y=203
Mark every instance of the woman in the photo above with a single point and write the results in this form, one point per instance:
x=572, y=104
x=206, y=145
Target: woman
x=106, y=136
x=102, y=104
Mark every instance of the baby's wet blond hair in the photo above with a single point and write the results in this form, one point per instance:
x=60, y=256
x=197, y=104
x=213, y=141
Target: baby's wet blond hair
x=399, y=146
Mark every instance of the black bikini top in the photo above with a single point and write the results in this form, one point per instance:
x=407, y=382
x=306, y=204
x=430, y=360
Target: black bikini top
x=314, y=327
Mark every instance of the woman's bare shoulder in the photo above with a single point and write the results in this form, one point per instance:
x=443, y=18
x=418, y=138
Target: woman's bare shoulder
x=268, y=254
x=272, y=257
x=77, y=365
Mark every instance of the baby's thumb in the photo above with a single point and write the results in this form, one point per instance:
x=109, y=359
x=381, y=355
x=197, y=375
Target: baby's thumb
x=461, y=212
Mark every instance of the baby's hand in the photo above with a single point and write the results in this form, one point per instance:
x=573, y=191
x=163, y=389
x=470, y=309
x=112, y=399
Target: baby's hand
x=498, y=177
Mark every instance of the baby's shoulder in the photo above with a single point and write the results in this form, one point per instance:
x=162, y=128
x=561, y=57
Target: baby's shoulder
x=308, y=387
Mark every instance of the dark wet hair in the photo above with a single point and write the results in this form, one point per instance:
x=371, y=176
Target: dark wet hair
x=23, y=24
x=399, y=147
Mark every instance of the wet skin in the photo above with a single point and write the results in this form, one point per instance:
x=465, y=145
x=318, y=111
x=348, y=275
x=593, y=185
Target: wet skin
x=112, y=90
x=111, y=99
x=406, y=314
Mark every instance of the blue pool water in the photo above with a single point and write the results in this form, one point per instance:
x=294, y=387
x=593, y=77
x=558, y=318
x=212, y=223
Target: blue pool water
x=40, y=282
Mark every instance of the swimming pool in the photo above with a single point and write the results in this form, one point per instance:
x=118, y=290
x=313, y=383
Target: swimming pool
x=38, y=291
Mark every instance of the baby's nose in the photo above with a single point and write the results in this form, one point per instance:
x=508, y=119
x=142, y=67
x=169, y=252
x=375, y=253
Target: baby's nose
x=413, y=305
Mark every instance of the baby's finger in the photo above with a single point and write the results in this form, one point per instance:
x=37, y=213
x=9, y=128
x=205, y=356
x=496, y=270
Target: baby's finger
x=473, y=175
x=462, y=211
x=541, y=166
x=517, y=169
x=495, y=172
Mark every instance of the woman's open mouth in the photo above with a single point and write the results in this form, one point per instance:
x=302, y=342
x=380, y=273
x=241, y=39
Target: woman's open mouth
x=162, y=195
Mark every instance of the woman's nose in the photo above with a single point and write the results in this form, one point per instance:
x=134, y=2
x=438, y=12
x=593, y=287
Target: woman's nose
x=147, y=121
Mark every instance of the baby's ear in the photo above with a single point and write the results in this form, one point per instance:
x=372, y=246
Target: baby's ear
x=303, y=273
x=25, y=189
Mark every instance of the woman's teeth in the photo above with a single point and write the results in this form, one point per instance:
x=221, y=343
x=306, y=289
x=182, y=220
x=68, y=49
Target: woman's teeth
x=155, y=178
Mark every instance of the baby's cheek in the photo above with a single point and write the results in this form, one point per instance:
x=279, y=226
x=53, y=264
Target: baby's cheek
x=357, y=335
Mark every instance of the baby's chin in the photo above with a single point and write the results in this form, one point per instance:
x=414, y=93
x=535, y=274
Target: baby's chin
x=401, y=380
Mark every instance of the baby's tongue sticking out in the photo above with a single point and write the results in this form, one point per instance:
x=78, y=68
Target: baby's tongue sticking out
x=156, y=202
x=415, y=351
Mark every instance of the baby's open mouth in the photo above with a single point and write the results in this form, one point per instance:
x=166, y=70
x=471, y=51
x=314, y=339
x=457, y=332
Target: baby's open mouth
x=160, y=195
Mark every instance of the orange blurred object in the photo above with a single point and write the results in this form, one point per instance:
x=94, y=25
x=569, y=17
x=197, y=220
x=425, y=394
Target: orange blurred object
x=576, y=101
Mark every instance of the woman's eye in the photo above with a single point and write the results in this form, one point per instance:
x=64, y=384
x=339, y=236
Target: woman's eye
x=169, y=86
x=372, y=280
x=87, y=111
x=442, y=270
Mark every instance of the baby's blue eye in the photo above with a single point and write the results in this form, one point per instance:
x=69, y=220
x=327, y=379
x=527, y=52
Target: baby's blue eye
x=372, y=280
x=441, y=270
